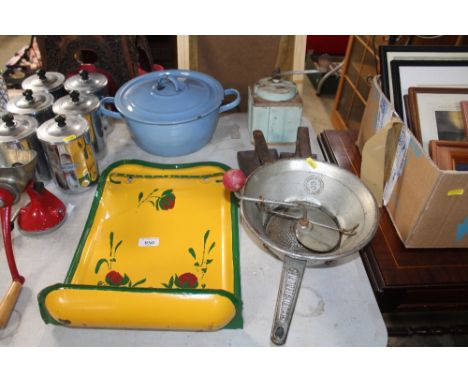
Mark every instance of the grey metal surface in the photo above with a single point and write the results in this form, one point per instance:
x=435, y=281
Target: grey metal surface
x=338, y=191
x=16, y=170
x=347, y=202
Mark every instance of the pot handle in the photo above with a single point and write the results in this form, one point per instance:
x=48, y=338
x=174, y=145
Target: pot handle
x=232, y=104
x=106, y=112
x=291, y=280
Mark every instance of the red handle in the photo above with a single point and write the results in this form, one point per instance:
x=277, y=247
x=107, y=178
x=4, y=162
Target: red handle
x=6, y=231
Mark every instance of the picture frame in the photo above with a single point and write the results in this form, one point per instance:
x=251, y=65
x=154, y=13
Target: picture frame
x=425, y=73
x=449, y=155
x=435, y=114
x=464, y=110
x=388, y=53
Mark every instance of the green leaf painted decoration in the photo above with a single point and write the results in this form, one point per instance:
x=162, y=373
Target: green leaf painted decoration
x=113, y=277
x=192, y=252
x=99, y=263
x=139, y=282
x=117, y=246
x=201, y=263
x=212, y=246
x=111, y=242
x=205, y=238
x=140, y=196
x=125, y=280
x=171, y=282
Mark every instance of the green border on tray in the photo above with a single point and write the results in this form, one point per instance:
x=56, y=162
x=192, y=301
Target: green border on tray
x=235, y=323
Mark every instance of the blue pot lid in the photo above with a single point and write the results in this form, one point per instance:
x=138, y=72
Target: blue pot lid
x=169, y=97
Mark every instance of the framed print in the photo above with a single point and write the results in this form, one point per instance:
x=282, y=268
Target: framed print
x=406, y=74
x=464, y=110
x=435, y=114
x=388, y=53
x=449, y=155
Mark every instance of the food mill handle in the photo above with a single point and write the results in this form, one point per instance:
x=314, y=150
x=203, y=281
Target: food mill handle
x=291, y=279
x=8, y=302
x=232, y=104
x=108, y=113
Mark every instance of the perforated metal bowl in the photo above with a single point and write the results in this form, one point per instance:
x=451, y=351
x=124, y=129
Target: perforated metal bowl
x=335, y=196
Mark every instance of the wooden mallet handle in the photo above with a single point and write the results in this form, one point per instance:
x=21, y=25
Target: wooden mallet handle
x=8, y=302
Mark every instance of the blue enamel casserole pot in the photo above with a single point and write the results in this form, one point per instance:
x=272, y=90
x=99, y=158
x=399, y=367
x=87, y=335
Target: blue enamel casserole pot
x=172, y=112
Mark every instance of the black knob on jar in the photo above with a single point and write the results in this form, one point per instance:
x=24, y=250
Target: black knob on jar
x=84, y=74
x=9, y=120
x=28, y=94
x=61, y=121
x=75, y=96
x=41, y=73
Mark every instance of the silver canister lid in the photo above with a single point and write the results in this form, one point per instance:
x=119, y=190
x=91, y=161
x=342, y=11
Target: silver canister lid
x=44, y=81
x=30, y=102
x=276, y=90
x=16, y=127
x=76, y=103
x=86, y=82
x=63, y=129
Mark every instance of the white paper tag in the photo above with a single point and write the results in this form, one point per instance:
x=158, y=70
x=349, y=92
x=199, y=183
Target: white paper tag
x=148, y=242
x=384, y=114
x=398, y=163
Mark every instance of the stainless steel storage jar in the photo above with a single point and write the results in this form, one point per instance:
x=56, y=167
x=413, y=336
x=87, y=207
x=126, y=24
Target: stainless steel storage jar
x=86, y=105
x=88, y=83
x=51, y=82
x=69, y=152
x=19, y=132
x=35, y=104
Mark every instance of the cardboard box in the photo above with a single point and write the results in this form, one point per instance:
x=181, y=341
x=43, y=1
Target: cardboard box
x=428, y=207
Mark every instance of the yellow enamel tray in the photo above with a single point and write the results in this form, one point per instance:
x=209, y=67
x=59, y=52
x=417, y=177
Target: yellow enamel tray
x=159, y=251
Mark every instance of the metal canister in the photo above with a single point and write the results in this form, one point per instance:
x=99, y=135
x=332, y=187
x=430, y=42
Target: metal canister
x=69, y=152
x=86, y=105
x=19, y=132
x=51, y=82
x=35, y=104
x=3, y=94
x=88, y=83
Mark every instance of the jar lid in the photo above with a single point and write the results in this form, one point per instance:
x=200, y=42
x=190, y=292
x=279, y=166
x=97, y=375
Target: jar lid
x=30, y=102
x=43, y=81
x=16, y=127
x=62, y=129
x=276, y=90
x=86, y=82
x=76, y=103
x=169, y=97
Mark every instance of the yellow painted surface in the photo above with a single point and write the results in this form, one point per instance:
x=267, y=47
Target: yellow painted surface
x=139, y=310
x=131, y=239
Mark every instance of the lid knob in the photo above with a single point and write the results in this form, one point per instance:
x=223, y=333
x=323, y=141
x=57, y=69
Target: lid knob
x=84, y=74
x=28, y=94
x=61, y=121
x=9, y=120
x=75, y=96
x=41, y=73
x=276, y=75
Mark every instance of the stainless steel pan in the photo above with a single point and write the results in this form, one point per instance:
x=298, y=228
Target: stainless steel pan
x=333, y=198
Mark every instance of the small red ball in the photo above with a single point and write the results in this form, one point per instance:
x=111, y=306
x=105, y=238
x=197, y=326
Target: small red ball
x=234, y=180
